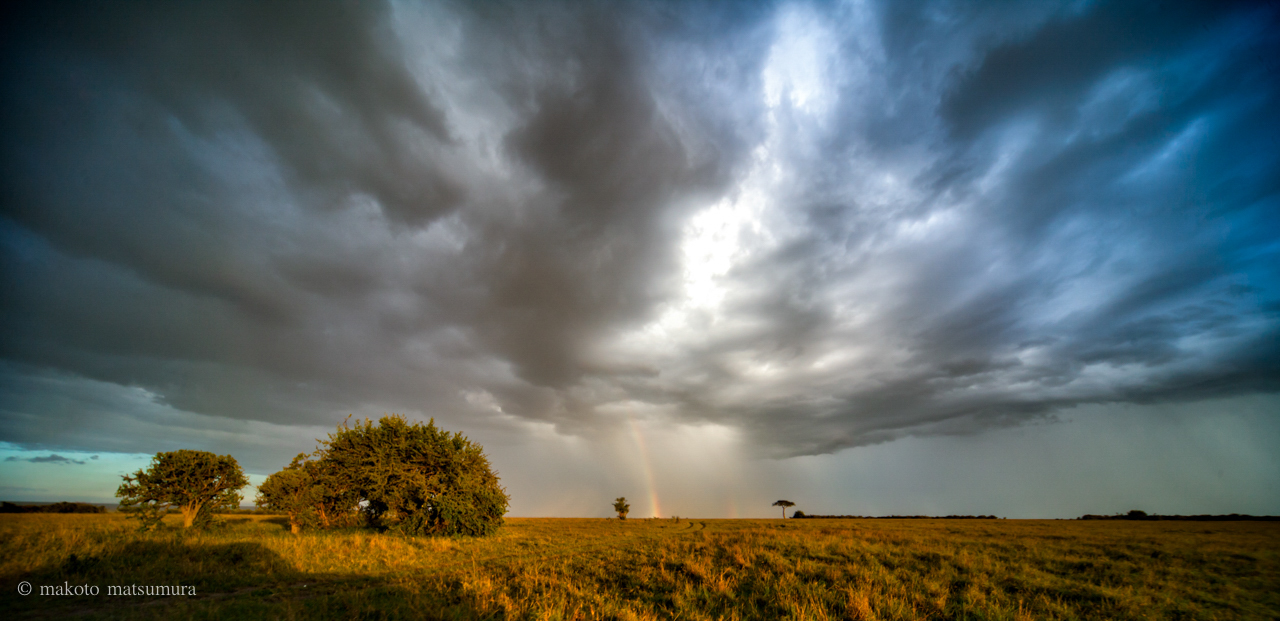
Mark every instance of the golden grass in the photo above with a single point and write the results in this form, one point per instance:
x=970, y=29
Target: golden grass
x=657, y=569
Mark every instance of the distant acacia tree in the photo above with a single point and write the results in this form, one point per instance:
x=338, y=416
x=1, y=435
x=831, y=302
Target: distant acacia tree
x=620, y=505
x=784, y=504
x=414, y=478
x=195, y=482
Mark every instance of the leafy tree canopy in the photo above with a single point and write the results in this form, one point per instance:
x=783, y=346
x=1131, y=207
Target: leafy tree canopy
x=312, y=493
x=195, y=482
x=417, y=479
x=620, y=505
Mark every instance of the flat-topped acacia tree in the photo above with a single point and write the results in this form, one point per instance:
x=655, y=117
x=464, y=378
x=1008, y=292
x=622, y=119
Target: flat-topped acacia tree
x=784, y=504
x=196, y=482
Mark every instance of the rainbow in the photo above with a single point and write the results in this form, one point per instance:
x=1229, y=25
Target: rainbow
x=654, y=506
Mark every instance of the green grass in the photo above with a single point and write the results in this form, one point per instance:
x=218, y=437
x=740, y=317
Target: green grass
x=655, y=569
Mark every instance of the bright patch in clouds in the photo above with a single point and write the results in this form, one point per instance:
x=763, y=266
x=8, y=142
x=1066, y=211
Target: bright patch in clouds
x=801, y=60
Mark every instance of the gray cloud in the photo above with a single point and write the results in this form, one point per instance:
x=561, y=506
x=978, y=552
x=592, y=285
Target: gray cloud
x=823, y=225
x=48, y=459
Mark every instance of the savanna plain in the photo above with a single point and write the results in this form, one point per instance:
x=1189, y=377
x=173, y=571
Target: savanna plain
x=251, y=566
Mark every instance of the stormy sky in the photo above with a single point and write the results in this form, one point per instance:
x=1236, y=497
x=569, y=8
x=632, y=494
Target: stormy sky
x=900, y=257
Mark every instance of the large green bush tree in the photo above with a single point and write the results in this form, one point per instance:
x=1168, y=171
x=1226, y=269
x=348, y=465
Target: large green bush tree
x=195, y=482
x=417, y=479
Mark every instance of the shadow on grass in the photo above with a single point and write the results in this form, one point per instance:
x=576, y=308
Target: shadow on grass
x=221, y=580
x=281, y=521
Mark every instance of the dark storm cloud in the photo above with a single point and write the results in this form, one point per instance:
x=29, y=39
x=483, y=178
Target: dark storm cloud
x=826, y=224
x=238, y=210
x=1050, y=71
x=1107, y=262
x=321, y=84
x=613, y=168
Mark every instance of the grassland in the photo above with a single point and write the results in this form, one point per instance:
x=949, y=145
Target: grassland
x=655, y=569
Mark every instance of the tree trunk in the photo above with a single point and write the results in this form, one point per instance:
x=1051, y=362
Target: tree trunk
x=189, y=513
x=295, y=528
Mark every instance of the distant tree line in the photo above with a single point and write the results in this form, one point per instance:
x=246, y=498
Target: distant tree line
x=57, y=507
x=1132, y=515
x=803, y=515
x=1143, y=516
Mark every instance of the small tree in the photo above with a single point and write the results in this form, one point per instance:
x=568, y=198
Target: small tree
x=784, y=504
x=417, y=479
x=620, y=505
x=334, y=497
x=288, y=491
x=196, y=482
x=311, y=493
